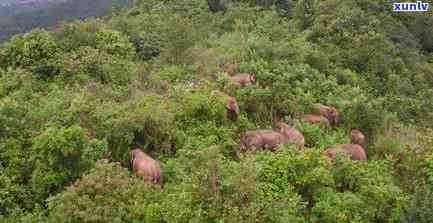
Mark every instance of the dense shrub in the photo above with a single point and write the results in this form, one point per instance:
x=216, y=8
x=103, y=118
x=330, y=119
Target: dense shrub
x=144, y=78
x=307, y=173
x=106, y=193
x=35, y=51
x=216, y=189
x=200, y=106
x=60, y=156
x=420, y=207
x=78, y=34
x=136, y=124
x=373, y=184
x=113, y=42
x=147, y=46
x=86, y=63
x=18, y=82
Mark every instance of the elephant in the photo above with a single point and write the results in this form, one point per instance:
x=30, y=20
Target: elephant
x=356, y=152
x=230, y=103
x=357, y=137
x=230, y=68
x=330, y=113
x=263, y=139
x=145, y=167
x=293, y=135
x=316, y=119
x=243, y=79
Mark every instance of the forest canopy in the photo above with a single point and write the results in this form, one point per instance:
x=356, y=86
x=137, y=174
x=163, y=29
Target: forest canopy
x=75, y=99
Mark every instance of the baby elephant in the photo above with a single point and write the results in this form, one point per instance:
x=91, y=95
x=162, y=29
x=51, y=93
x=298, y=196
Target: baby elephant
x=330, y=113
x=231, y=103
x=317, y=120
x=243, y=79
x=263, y=139
x=357, y=137
x=293, y=135
x=356, y=152
x=146, y=167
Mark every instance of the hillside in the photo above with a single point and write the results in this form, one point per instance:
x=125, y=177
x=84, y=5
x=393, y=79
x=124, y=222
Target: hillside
x=248, y=111
x=26, y=15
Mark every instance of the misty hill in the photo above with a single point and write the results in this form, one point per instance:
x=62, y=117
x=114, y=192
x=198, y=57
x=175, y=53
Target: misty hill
x=23, y=15
x=246, y=111
x=14, y=7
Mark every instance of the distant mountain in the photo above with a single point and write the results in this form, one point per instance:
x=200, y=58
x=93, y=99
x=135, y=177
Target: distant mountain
x=18, y=16
x=13, y=7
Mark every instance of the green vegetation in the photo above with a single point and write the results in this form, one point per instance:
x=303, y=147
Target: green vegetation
x=76, y=99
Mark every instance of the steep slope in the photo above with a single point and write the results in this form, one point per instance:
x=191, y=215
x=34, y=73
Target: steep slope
x=75, y=99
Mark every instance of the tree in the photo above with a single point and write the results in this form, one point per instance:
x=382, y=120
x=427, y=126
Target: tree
x=34, y=51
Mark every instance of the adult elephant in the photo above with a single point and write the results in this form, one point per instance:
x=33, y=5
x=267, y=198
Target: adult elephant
x=231, y=104
x=146, y=167
x=355, y=152
x=357, y=137
x=293, y=135
x=330, y=113
x=263, y=139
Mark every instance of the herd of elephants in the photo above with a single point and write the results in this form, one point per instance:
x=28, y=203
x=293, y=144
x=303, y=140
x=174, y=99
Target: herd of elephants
x=324, y=116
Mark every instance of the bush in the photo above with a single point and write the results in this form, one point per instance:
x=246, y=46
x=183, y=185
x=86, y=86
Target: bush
x=15, y=81
x=88, y=63
x=106, y=194
x=428, y=169
x=60, y=156
x=208, y=187
x=34, y=51
x=316, y=136
x=113, y=42
x=179, y=35
x=373, y=186
x=200, y=106
x=74, y=35
x=136, y=124
x=173, y=74
x=147, y=45
x=339, y=207
x=307, y=173
x=420, y=206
